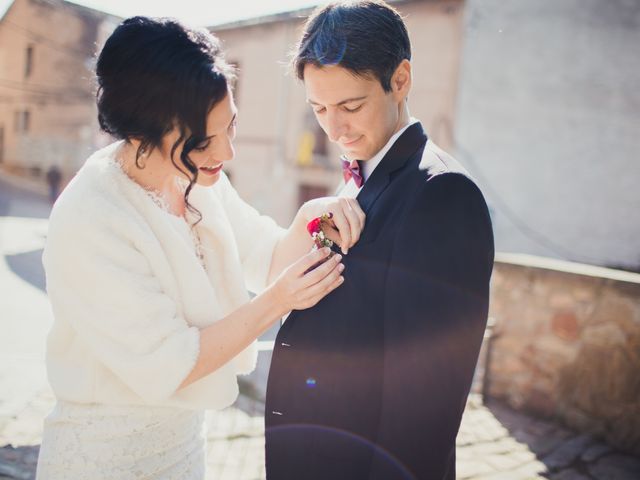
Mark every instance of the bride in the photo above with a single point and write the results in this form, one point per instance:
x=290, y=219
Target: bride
x=148, y=260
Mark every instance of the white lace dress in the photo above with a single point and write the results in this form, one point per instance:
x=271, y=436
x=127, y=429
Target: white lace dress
x=122, y=442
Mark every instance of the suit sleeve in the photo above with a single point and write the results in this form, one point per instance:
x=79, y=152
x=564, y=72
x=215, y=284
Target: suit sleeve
x=436, y=305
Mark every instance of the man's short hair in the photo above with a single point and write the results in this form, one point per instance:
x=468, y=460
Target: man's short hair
x=366, y=37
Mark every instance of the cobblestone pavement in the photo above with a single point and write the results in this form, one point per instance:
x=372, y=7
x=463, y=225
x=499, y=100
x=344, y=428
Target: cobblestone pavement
x=495, y=443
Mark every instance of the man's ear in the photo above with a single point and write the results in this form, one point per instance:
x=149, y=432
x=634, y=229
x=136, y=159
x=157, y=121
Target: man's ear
x=401, y=80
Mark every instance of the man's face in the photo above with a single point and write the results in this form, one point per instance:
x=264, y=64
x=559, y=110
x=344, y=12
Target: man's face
x=355, y=112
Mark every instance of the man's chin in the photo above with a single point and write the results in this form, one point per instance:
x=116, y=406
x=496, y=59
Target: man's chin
x=359, y=154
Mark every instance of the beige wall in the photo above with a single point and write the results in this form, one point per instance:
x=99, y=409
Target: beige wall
x=59, y=91
x=273, y=114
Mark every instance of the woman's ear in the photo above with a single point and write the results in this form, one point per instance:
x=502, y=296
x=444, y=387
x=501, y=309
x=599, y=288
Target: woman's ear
x=401, y=80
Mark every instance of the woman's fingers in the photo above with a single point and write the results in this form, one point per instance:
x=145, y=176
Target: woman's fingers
x=356, y=223
x=359, y=212
x=330, y=282
x=349, y=220
x=341, y=222
x=319, y=273
x=333, y=234
x=310, y=259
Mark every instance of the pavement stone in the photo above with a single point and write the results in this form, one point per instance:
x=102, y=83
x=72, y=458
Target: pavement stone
x=595, y=452
x=471, y=468
x=530, y=470
x=567, y=453
x=570, y=474
x=615, y=467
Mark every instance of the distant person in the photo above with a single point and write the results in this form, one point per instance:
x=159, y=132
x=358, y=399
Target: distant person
x=149, y=256
x=54, y=177
x=371, y=383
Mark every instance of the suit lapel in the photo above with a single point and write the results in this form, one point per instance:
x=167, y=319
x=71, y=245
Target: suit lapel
x=404, y=147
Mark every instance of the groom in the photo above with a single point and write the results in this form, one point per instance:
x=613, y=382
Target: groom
x=371, y=383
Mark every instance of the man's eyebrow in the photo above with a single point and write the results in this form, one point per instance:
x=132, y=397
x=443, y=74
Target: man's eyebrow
x=348, y=100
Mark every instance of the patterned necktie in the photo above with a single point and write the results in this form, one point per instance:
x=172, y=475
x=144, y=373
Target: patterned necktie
x=352, y=170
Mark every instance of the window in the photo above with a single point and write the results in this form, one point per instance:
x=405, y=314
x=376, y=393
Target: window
x=28, y=66
x=22, y=120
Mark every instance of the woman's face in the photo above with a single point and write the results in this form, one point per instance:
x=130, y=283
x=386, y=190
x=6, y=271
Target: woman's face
x=217, y=148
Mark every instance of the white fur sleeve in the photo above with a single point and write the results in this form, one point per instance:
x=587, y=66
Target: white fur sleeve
x=256, y=236
x=103, y=286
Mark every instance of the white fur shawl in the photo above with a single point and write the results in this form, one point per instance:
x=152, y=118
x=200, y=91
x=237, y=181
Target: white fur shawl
x=129, y=294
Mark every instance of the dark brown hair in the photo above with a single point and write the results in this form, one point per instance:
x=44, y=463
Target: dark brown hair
x=366, y=37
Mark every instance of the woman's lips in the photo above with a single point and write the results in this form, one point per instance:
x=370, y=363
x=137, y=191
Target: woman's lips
x=211, y=170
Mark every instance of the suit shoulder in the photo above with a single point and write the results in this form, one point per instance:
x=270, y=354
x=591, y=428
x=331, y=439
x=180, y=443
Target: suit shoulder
x=435, y=161
x=439, y=168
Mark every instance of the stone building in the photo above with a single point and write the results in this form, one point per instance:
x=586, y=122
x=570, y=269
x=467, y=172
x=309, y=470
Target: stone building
x=47, y=103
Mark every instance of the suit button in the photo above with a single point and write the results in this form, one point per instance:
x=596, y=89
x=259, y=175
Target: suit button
x=276, y=413
x=285, y=344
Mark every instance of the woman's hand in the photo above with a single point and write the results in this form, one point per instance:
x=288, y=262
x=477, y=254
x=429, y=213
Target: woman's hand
x=295, y=290
x=347, y=222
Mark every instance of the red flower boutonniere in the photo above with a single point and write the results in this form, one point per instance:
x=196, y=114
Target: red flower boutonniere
x=314, y=227
x=320, y=240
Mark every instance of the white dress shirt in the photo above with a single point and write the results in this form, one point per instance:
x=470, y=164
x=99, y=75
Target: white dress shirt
x=351, y=190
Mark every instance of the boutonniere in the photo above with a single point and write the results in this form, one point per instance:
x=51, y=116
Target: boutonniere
x=314, y=227
x=320, y=240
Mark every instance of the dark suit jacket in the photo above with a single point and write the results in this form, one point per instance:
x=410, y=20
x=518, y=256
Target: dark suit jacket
x=371, y=382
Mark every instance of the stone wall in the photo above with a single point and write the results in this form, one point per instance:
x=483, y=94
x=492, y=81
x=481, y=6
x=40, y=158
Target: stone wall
x=566, y=345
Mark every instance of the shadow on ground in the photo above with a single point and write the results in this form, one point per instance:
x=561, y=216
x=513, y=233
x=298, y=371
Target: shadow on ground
x=17, y=202
x=18, y=463
x=28, y=266
x=567, y=455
